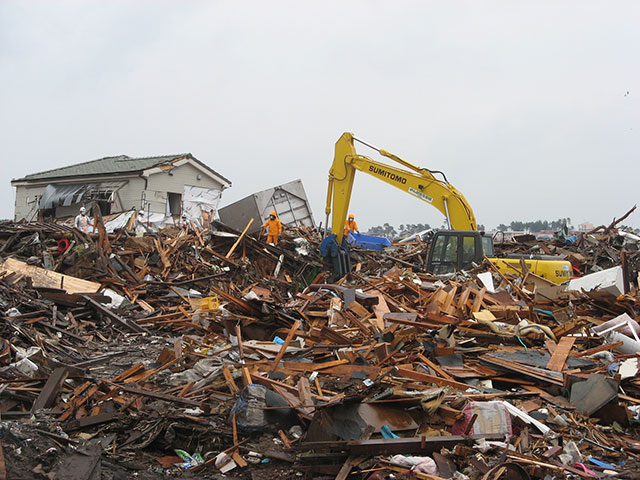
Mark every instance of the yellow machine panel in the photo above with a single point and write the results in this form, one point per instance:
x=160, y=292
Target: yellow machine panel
x=556, y=271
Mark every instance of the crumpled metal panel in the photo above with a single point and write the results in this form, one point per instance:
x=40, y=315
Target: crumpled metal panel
x=289, y=200
x=66, y=194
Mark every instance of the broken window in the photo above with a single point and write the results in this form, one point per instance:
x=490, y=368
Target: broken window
x=64, y=195
x=174, y=204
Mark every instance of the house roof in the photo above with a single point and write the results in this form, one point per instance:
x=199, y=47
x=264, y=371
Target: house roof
x=113, y=165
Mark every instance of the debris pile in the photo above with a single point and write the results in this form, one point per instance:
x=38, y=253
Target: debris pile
x=206, y=352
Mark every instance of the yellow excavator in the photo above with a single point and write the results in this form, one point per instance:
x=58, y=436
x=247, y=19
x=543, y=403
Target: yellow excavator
x=451, y=250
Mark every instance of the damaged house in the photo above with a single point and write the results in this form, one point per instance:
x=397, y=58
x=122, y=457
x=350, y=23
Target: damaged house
x=165, y=187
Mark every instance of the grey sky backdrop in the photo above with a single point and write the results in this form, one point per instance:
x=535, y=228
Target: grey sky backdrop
x=523, y=105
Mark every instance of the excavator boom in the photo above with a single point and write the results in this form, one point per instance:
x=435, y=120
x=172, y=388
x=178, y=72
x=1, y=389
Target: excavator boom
x=416, y=181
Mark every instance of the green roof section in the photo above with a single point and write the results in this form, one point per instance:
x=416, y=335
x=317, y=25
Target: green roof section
x=113, y=165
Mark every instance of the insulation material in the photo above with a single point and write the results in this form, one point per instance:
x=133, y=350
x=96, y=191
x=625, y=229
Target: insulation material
x=120, y=221
x=198, y=201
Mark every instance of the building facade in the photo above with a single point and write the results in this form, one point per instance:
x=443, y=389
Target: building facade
x=168, y=186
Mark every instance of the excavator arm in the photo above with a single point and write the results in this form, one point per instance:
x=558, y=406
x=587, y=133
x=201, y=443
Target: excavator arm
x=416, y=181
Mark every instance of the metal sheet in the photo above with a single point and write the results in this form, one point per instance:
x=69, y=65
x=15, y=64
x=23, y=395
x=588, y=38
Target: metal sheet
x=66, y=194
x=289, y=200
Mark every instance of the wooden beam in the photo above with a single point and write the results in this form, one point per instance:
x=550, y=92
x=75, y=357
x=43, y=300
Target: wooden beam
x=426, y=378
x=126, y=323
x=50, y=389
x=160, y=396
x=391, y=446
x=239, y=238
x=560, y=354
x=287, y=341
x=599, y=348
x=47, y=278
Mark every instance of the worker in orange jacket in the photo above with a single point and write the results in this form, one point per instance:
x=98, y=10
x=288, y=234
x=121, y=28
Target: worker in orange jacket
x=273, y=227
x=351, y=226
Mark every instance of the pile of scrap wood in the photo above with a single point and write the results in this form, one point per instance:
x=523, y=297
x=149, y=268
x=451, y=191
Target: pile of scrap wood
x=208, y=352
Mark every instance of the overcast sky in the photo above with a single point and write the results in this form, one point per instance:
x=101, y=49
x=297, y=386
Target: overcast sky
x=523, y=105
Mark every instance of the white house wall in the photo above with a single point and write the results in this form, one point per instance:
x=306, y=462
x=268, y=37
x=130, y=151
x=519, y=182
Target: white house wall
x=130, y=195
x=26, y=201
x=159, y=184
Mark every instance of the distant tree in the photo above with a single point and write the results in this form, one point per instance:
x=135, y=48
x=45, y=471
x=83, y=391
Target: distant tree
x=403, y=230
x=388, y=230
x=537, y=225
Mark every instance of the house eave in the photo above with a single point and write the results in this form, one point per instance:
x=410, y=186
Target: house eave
x=191, y=161
x=20, y=182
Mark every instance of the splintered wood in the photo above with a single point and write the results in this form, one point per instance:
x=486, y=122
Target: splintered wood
x=207, y=340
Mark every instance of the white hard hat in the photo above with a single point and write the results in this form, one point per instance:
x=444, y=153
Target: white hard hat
x=82, y=209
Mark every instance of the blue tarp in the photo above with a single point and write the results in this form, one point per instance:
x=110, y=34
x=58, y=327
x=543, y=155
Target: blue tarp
x=369, y=242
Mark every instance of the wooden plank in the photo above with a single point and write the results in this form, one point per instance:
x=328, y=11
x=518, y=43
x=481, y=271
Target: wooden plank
x=246, y=377
x=129, y=372
x=239, y=337
x=447, y=306
x=273, y=384
x=126, y=323
x=462, y=300
x=47, y=278
x=347, y=371
x=390, y=446
x=551, y=346
x=352, y=460
x=477, y=302
x=239, y=238
x=312, y=367
x=162, y=253
x=284, y=438
x=560, y=354
x=358, y=310
x=3, y=465
x=287, y=341
x=538, y=373
x=599, y=348
x=426, y=378
x=294, y=402
x=228, y=379
x=236, y=301
x=50, y=389
x=160, y=396
x=434, y=367
x=380, y=309
x=92, y=420
x=304, y=393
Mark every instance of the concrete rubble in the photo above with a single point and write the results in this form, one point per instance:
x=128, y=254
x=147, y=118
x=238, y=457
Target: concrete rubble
x=206, y=353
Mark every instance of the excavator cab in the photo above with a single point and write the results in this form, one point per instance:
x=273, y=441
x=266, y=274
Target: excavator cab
x=454, y=250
